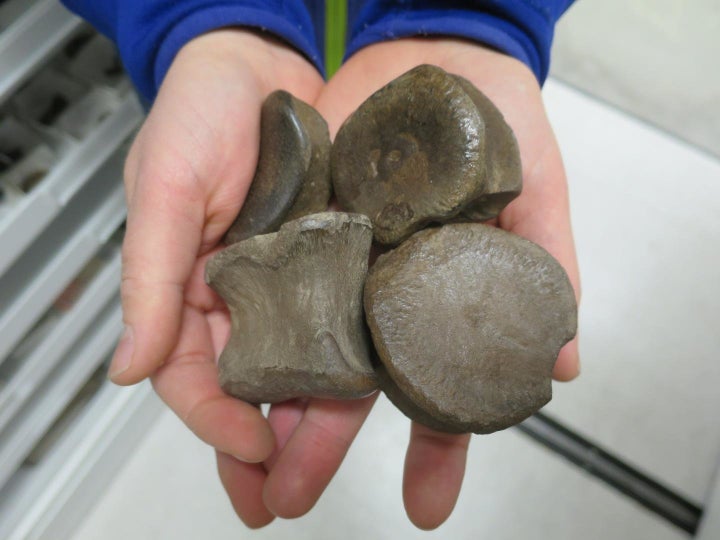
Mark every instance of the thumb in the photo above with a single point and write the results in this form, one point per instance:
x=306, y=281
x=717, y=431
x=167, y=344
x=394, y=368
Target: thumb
x=162, y=240
x=185, y=178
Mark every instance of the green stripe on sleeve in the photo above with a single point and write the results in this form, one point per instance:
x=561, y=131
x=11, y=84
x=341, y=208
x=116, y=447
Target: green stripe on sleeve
x=335, y=26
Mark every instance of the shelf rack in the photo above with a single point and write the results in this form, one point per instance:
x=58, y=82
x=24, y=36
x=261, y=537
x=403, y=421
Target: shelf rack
x=64, y=429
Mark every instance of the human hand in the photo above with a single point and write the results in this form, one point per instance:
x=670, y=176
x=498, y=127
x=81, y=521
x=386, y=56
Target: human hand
x=186, y=176
x=189, y=169
x=435, y=462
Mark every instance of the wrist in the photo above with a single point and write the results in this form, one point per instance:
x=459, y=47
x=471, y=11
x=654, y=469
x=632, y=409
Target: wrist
x=484, y=65
x=521, y=29
x=267, y=61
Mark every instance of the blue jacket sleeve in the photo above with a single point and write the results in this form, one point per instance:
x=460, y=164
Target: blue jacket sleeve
x=149, y=33
x=521, y=28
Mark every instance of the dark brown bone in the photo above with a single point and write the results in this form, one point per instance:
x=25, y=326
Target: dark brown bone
x=293, y=173
x=428, y=147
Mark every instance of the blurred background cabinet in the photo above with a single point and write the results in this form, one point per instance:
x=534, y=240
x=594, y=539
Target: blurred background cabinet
x=67, y=113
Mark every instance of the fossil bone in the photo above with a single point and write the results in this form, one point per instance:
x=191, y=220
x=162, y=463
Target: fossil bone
x=293, y=173
x=468, y=321
x=295, y=300
x=428, y=147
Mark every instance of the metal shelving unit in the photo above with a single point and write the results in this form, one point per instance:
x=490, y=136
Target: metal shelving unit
x=26, y=371
x=29, y=217
x=49, y=266
x=67, y=112
x=30, y=31
x=29, y=425
x=47, y=501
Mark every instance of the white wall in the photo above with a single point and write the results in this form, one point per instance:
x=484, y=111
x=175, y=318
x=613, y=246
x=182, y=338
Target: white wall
x=657, y=59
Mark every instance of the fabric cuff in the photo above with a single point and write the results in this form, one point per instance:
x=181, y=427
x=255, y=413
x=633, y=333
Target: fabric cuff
x=199, y=22
x=149, y=39
x=494, y=30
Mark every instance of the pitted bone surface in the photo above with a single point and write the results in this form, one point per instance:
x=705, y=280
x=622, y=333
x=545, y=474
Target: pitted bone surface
x=468, y=321
x=428, y=147
x=295, y=300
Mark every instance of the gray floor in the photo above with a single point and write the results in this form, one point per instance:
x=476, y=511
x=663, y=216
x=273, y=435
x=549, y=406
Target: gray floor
x=657, y=59
x=513, y=490
x=648, y=326
x=646, y=214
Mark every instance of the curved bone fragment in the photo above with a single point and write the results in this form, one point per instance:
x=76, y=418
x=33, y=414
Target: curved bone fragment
x=293, y=172
x=428, y=147
x=295, y=300
x=503, y=170
x=468, y=321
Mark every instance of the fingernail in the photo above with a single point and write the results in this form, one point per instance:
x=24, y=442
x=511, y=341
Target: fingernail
x=245, y=460
x=122, y=359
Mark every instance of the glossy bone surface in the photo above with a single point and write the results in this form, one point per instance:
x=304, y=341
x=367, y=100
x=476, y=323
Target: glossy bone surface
x=293, y=172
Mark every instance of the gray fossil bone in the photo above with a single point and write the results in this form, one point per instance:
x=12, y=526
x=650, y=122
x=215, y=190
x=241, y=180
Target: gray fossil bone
x=295, y=300
x=467, y=321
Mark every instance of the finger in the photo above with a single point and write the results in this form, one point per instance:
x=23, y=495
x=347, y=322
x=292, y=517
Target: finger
x=243, y=483
x=283, y=419
x=164, y=227
x=541, y=214
x=567, y=366
x=188, y=383
x=434, y=469
x=313, y=454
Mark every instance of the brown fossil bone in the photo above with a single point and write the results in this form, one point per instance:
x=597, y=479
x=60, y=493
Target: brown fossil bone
x=295, y=300
x=293, y=172
x=468, y=321
x=503, y=172
x=428, y=147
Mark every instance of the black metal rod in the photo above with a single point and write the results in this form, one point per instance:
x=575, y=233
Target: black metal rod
x=613, y=471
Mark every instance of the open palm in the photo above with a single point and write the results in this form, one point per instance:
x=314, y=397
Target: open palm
x=435, y=462
x=186, y=177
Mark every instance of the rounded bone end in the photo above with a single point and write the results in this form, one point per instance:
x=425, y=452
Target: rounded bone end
x=273, y=385
x=426, y=148
x=467, y=321
x=482, y=424
x=293, y=171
